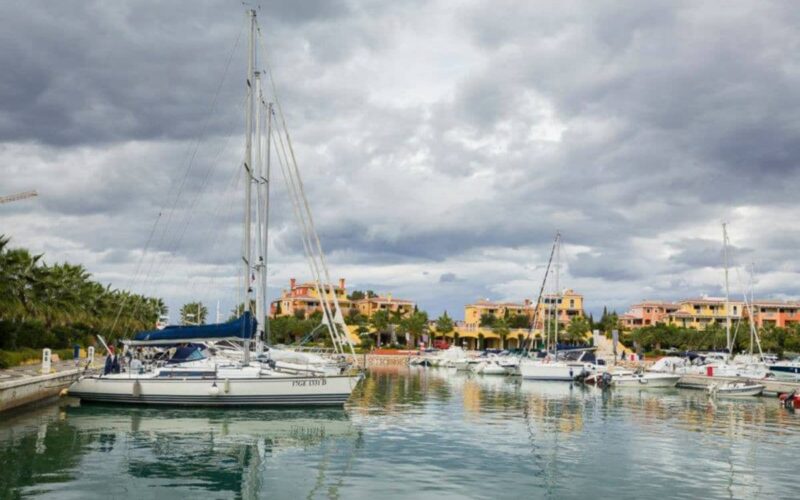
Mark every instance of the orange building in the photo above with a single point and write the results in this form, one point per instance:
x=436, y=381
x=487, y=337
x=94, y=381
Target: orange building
x=649, y=312
x=776, y=313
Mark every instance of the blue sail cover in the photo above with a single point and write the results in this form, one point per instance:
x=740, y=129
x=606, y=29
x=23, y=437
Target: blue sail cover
x=243, y=328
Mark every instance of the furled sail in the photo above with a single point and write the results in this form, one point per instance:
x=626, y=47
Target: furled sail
x=242, y=328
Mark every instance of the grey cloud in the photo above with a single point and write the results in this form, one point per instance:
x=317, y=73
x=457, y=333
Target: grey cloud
x=671, y=114
x=448, y=278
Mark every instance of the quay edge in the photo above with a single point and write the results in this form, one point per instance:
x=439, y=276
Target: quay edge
x=32, y=389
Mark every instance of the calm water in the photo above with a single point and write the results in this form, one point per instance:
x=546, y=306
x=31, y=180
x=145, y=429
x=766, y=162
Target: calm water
x=430, y=433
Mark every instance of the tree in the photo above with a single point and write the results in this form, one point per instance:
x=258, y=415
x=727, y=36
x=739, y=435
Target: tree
x=380, y=322
x=500, y=327
x=444, y=325
x=519, y=321
x=577, y=330
x=414, y=326
x=487, y=320
x=194, y=313
x=56, y=305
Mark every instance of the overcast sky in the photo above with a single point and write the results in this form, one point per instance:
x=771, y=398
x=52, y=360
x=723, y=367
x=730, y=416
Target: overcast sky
x=442, y=143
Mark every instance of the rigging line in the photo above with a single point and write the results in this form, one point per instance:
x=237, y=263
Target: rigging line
x=135, y=274
x=308, y=247
x=313, y=265
x=314, y=234
x=541, y=291
x=216, y=237
x=193, y=152
x=170, y=255
x=316, y=239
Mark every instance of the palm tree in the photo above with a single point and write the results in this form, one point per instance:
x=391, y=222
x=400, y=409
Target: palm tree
x=500, y=327
x=380, y=322
x=444, y=325
x=414, y=325
x=194, y=313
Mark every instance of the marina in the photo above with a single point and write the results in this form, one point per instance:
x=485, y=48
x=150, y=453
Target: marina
x=382, y=250
x=438, y=432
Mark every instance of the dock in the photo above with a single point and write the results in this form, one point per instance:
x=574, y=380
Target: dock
x=26, y=384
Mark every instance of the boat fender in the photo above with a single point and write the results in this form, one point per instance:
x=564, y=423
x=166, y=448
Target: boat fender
x=226, y=386
x=214, y=390
x=137, y=389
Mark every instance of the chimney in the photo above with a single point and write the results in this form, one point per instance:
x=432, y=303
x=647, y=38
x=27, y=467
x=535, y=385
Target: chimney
x=527, y=302
x=341, y=283
x=292, y=283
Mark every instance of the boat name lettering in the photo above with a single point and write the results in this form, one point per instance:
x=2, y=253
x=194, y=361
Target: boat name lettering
x=306, y=383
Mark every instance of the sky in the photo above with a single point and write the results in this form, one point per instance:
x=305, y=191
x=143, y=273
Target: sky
x=442, y=144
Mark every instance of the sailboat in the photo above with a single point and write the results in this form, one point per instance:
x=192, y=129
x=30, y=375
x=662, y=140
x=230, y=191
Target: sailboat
x=551, y=367
x=183, y=365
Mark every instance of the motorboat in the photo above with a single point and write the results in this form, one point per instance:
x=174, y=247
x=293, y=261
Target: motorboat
x=786, y=369
x=629, y=378
x=572, y=364
x=735, y=389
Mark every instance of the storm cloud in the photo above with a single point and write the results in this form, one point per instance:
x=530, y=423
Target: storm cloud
x=441, y=148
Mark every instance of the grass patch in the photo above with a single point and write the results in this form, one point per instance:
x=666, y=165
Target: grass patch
x=29, y=356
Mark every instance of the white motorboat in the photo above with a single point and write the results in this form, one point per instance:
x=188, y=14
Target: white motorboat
x=492, y=367
x=573, y=363
x=789, y=370
x=628, y=378
x=735, y=389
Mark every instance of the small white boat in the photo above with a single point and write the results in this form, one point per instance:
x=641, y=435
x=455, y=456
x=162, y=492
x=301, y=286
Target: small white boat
x=735, y=389
x=493, y=368
x=628, y=378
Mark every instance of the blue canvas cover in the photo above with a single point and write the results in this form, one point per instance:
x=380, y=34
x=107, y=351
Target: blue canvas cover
x=243, y=328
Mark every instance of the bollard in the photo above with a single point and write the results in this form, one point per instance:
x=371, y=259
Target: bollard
x=90, y=356
x=46, y=355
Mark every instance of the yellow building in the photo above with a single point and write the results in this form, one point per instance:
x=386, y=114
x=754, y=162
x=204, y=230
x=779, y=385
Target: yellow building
x=699, y=313
x=370, y=305
x=474, y=311
x=568, y=305
x=304, y=299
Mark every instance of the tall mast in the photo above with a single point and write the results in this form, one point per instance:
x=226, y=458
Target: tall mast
x=248, y=174
x=260, y=297
x=558, y=290
x=265, y=236
x=727, y=288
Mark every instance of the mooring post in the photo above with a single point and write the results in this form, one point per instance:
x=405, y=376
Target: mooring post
x=46, y=354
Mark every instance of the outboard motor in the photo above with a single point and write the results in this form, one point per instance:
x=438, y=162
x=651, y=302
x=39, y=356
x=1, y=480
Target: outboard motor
x=605, y=380
x=581, y=377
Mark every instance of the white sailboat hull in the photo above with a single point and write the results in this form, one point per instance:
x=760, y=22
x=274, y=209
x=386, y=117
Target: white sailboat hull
x=263, y=391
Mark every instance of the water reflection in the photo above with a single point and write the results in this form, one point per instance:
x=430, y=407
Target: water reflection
x=216, y=450
x=428, y=433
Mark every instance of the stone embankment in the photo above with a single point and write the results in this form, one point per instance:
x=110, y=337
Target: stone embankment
x=26, y=384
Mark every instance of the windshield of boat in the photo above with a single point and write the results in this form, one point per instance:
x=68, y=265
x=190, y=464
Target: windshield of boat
x=187, y=353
